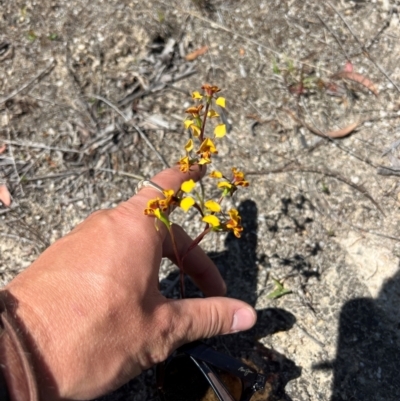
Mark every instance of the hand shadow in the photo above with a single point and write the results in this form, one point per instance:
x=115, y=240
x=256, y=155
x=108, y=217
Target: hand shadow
x=238, y=265
x=367, y=361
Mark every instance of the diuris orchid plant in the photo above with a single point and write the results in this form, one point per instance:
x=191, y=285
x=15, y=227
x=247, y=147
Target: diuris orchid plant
x=211, y=211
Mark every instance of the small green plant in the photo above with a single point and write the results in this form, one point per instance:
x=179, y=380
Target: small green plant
x=161, y=16
x=32, y=36
x=325, y=188
x=279, y=291
x=275, y=68
x=331, y=233
x=53, y=36
x=199, y=151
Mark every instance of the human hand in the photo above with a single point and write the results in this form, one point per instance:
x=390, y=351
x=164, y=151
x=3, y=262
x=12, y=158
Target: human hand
x=90, y=309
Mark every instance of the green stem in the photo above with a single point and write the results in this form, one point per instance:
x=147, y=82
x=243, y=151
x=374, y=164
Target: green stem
x=203, y=126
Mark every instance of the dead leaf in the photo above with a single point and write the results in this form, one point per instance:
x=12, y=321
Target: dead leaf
x=242, y=52
x=361, y=79
x=344, y=131
x=332, y=134
x=3, y=148
x=5, y=196
x=199, y=52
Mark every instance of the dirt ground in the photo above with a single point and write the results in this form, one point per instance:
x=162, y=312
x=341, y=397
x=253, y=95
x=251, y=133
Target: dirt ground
x=92, y=98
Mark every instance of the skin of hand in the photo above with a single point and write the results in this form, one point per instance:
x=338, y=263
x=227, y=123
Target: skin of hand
x=90, y=309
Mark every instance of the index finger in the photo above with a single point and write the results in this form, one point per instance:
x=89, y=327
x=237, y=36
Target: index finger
x=171, y=178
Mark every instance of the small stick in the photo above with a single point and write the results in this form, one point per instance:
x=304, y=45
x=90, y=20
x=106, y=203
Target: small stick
x=48, y=67
x=334, y=36
x=388, y=171
x=363, y=48
x=57, y=175
x=244, y=37
x=39, y=146
x=118, y=172
x=385, y=25
x=326, y=172
x=140, y=132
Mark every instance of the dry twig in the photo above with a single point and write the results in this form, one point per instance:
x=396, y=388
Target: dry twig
x=323, y=171
x=48, y=67
x=140, y=132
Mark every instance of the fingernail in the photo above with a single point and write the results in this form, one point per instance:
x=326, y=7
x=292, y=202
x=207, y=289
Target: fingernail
x=243, y=319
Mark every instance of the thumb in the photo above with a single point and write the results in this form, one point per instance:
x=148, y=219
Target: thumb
x=194, y=319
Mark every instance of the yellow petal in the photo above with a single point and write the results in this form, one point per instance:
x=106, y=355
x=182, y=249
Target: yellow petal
x=212, y=113
x=220, y=102
x=212, y=220
x=186, y=203
x=196, y=95
x=189, y=146
x=204, y=161
x=168, y=193
x=224, y=184
x=187, y=186
x=234, y=215
x=213, y=206
x=188, y=123
x=216, y=174
x=208, y=146
x=195, y=130
x=220, y=130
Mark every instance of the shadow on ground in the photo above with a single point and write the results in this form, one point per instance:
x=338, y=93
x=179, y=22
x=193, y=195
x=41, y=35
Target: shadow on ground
x=368, y=353
x=239, y=267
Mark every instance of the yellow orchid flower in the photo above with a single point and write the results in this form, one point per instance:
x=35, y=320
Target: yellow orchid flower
x=206, y=149
x=220, y=130
x=194, y=110
x=207, y=146
x=188, y=123
x=157, y=207
x=228, y=188
x=193, y=126
x=186, y=203
x=213, y=206
x=225, y=184
x=168, y=201
x=184, y=164
x=220, y=102
x=215, y=174
x=188, y=186
x=197, y=95
x=210, y=89
x=238, y=178
x=196, y=131
x=234, y=223
x=204, y=160
x=212, y=220
x=212, y=114
x=152, y=206
x=189, y=146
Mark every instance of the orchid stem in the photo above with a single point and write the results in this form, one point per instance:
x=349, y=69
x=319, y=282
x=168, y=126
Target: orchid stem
x=203, y=126
x=197, y=240
x=179, y=262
